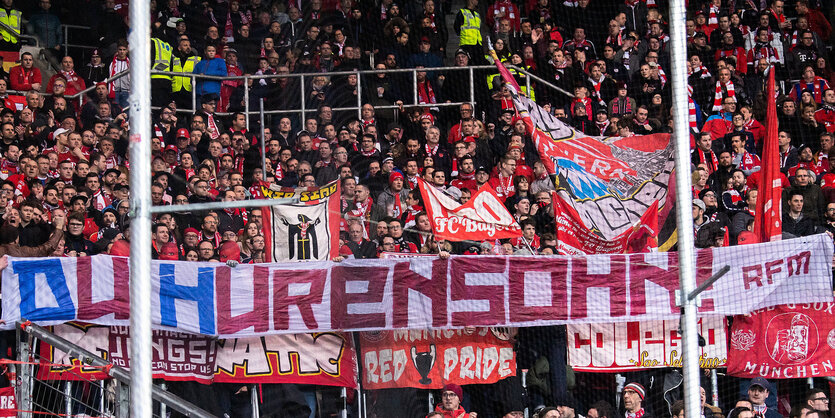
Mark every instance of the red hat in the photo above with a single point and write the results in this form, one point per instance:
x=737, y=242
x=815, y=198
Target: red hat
x=470, y=139
x=452, y=387
x=425, y=39
x=523, y=170
x=747, y=237
x=394, y=175
x=514, y=146
x=828, y=181
x=120, y=248
x=191, y=230
x=229, y=250
x=182, y=133
x=169, y=252
x=172, y=148
x=101, y=83
x=429, y=116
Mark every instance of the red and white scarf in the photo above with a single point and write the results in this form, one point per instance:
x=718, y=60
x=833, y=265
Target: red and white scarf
x=717, y=98
x=426, y=94
x=713, y=18
x=691, y=109
x=430, y=152
x=640, y=413
x=596, y=85
x=116, y=67
x=214, y=132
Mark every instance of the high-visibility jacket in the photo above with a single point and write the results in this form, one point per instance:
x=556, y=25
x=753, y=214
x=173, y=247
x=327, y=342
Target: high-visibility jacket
x=162, y=58
x=12, y=20
x=497, y=78
x=471, y=29
x=183, y=83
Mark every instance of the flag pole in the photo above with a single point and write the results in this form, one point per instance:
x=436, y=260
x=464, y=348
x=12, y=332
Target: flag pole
x=684, y=216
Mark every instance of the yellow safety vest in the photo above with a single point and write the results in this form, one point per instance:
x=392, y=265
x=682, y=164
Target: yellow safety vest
x=162, y=59
x=13, y=21
x=183, y=83
x=471, y=29
x=491, y=80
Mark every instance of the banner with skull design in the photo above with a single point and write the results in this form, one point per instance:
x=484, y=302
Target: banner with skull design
x=430, y=359
x=307, y=230
x=784, y=342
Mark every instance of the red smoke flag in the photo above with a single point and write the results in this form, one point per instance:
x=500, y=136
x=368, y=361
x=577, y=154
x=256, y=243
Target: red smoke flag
x=768, y=224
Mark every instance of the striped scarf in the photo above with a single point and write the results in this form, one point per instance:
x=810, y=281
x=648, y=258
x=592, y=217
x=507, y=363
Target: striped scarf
x=713, y=18
x=691, y=110
x=116, y=67
x=718, y=96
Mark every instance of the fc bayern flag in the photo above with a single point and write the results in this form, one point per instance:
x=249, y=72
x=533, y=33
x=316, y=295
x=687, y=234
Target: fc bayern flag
x=768, y=223
x=784, y=342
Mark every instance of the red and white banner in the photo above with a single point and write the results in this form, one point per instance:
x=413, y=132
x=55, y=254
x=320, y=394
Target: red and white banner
x=429, y=359
x=784, y=342
x=610, y=182
x=627, y=346
x=304, y=231
x=8, y=406
x=415, y=293
x=483, y=217
x=317, y=359
x=573, y=238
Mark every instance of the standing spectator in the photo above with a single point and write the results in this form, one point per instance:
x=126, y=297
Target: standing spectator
x=11, y=17
x=94, y=71
x=468, y=27
x=634, y=394
x=46, y=26
x=211, y=65
x=120, y=87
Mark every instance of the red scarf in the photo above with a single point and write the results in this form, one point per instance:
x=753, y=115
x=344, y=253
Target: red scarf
x=426, y=94
x=712, y=164
x=596, y=85
x=713, y=19
x=430, y=152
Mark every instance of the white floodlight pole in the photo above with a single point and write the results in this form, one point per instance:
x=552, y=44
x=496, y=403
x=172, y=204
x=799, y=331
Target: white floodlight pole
x=140, y=179
x=684, y=215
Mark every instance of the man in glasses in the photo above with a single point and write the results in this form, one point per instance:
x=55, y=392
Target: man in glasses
x=450, y=404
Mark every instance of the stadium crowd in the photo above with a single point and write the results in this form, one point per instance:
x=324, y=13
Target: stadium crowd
x=65, y=165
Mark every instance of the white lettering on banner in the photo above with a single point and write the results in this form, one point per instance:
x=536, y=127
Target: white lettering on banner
x=639, y=345
x=416, y=293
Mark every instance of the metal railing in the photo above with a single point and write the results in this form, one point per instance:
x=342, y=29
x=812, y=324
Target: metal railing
x=38, y=396
x=67, y=44
x=303, y=109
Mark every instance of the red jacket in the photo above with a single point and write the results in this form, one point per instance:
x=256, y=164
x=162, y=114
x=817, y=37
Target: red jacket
x=458, y=413
x=21, y=79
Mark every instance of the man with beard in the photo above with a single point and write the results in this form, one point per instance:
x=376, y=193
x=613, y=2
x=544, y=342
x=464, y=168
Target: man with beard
x=392, y=201
x=183, y=61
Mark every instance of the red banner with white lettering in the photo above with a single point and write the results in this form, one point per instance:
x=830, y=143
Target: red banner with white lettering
x=315, y=358
x=483, y=217
x=8, y=406
x=575, y=239
x=629, y=346
x=784, y=342
x=429, y=359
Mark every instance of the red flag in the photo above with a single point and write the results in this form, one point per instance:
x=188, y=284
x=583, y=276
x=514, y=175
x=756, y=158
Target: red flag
x=483, y=217
x=768, y=223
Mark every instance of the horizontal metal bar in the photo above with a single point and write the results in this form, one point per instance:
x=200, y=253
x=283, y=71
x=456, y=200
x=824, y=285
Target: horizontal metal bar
x=85, y=357
x=196, y=207
x=709, y=282
x=76, y=26
x=542, y=80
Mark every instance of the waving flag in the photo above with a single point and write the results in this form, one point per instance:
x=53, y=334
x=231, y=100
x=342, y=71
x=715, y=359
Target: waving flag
x=768, y=224
x=609, y=182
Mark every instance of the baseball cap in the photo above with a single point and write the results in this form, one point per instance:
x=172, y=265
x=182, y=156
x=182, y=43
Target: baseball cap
x=759, y=381
x=700, y=203
x=425, y=39
x=483, y=169
x=182, y=133
x=172, y=148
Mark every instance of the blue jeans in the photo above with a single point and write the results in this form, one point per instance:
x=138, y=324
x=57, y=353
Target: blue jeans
x=122, y=99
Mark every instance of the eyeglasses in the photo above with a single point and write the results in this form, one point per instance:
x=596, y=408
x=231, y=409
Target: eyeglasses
x=76, y=224
x=823, y=398
x=449, y=395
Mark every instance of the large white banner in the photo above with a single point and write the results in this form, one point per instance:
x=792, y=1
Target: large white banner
x=416, y=293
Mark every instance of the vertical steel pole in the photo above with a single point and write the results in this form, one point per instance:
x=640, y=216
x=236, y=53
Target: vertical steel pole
x=263, y=144
x=68, y=398
x=24, y=389
x=140, y=180
x=684, y=216
x=359, y=97
x=163, y=408
x=714, y=388
x=246, y=105
x=414, y=87
x=304, y=99
x=193, y=93
x=253, y=399
x=472, y=90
